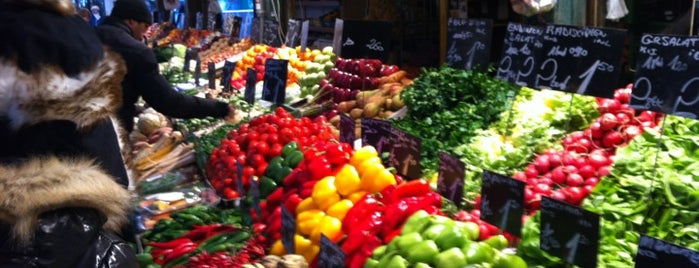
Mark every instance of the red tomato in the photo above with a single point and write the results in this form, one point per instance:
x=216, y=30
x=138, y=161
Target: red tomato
x=257, y=159
x=262, y=148
x=276, y=149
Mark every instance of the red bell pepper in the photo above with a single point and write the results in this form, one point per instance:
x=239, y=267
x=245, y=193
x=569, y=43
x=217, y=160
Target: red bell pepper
x=292, y=202
x=364, y=207
x=417, y=187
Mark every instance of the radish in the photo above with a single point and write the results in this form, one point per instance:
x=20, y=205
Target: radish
x=603, y=170
x=579, y=162
x=531, y=171
x=558, y=195
x=633, y=131
x=570, y=169
x=542, y=163
x=596, y=129
x=597, y=160
x=545, y=180
x=586, y=143
x=542, y=188
x=623, y=118
x=587, y=171
x=608, y=121
x=520, y=176
x=575, y=179
x=608, y=106
x=574, y=195
x=592, y=181
x=623, y=95
x=558, y=176
x=587, y=189
x=555, y=159
x=612, y=138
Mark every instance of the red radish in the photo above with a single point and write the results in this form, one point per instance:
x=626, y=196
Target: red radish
x=558, y=195
x=532, y=181
x=568, y=158
x=542, y=163
x=535, y=202
x=608, y=106
x=587, y=171
x=476, y=213
x=586, y=143
x=648, y=124
x=579, y=162
x=546, y=181
x=587, y=189
x=623, y=95
x=531, y=172
x=520, y=176
x=542, y=188
x=575, y=179
x=592, y=181
x=597, y=160
x=596, y=129
x=623, y=118
x=646, y=116
x=603, y=171
x=608, y=121
x=528, y=193
x=558, y=176
x=633, y=131
x=555, y=159
x=574, y=195
x=577, y=135
x=570, y=169
x=568, y=141
x=612, y=138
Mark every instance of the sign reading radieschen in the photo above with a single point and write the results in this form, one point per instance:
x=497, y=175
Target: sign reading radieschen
x=468, y=43
x=569, y=232
x=520, y=53
x=666, y=78
x=450, y=181
x=502, y=202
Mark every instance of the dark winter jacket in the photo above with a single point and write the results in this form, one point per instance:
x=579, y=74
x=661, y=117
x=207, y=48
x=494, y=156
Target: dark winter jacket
x=143, y=79
x=61, y=204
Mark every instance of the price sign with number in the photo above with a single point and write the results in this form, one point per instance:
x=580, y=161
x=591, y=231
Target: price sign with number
x=653, y=253
x=502, y=202
x=330, y=255
x=561, y=51
x=304, y=35
x=468, y=43
x=377, y=133
x=293, y=33
x=599, y=70
x=227, y=74
x=405, y=153
x=450, y=181
x=362, y=39
x=274, y=82
x=520, y=52
x=666, y=79
x=265, y=31
x=347, y=129
x=288, y=230
x=569, y=232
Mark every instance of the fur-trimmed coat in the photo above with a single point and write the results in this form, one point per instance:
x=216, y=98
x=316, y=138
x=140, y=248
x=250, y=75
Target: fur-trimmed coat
x=63, y=181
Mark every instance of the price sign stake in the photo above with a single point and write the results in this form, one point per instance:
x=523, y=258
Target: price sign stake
x=569, y=232
x=502, y=202
x=330, y=255
x=288, y=230
x=450, y=181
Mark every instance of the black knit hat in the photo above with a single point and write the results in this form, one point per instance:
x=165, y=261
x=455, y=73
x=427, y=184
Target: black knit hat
x=132, y=9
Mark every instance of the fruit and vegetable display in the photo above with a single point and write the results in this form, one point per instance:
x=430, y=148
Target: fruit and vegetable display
x=633, y=168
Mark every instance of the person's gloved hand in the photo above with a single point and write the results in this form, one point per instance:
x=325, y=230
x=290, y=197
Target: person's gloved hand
x=234, y=115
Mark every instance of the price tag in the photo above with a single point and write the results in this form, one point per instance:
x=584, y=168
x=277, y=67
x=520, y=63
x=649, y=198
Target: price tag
x=377, y=133
x=666, y=79
x=211, y=73
x=265, y=31
x=502, y=202
x=197, y=71
x=255, y=191
x=521, y=49
x=572, y=61
x=274, y=82
x=330, y=255
x=653, y=253
x=347, y=129
x=288, y=230
x=363, y=39
x=569, y=232
x=227, y=74
x=250, y=81
x=450, y=181
x=405, y=153
x=293, y=33
x=304, y=35
x=468, y=41
x=239, y=170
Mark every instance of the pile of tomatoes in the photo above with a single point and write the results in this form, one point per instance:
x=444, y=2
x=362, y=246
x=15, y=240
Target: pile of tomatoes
x=253, y=144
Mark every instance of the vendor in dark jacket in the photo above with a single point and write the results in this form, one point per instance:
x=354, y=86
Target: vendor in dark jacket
x=63, y=196
x=123, y=32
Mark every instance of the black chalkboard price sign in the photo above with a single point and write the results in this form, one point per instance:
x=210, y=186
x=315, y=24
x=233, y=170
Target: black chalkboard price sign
x=405, y=153
x=265, y=31
x=569, y=232
x=227, y=75
x=666, y=80
x=211, y=74
x=450, y=181
x=288, y=231
x=250, y=81
x=502, y=202
x=364, y=39
x=197, y=71
x=304, y=35
x=377, y=133
x=274, y=82
x=520, y=54
x=255, y=192
x=330, y=255
x=583, y=60
x=235, y=30
x=293, y=33
x=653, y=253
x=468, y=43
x=347, y=129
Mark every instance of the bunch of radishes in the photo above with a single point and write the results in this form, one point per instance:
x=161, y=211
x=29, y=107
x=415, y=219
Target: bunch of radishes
x=350, y=76
x=571, y=174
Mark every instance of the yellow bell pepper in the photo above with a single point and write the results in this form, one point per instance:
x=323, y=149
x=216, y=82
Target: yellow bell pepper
x=325, y=193
x=301, y=245
x=331, y=227
x=366, y=164
x=311, y=253
x=339, y=209
x=376, y=177
x=354, y=197
x=305, y=205
x=347, y=180
x=362, y=154
x=307, y=221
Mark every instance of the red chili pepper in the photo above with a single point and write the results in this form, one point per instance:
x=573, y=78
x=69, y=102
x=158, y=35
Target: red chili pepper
x=275, y=198
x=364, y=207
x=170, y=244
x=179, y=251
x=417, y=187
x=395, y=213
x=386, y=194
